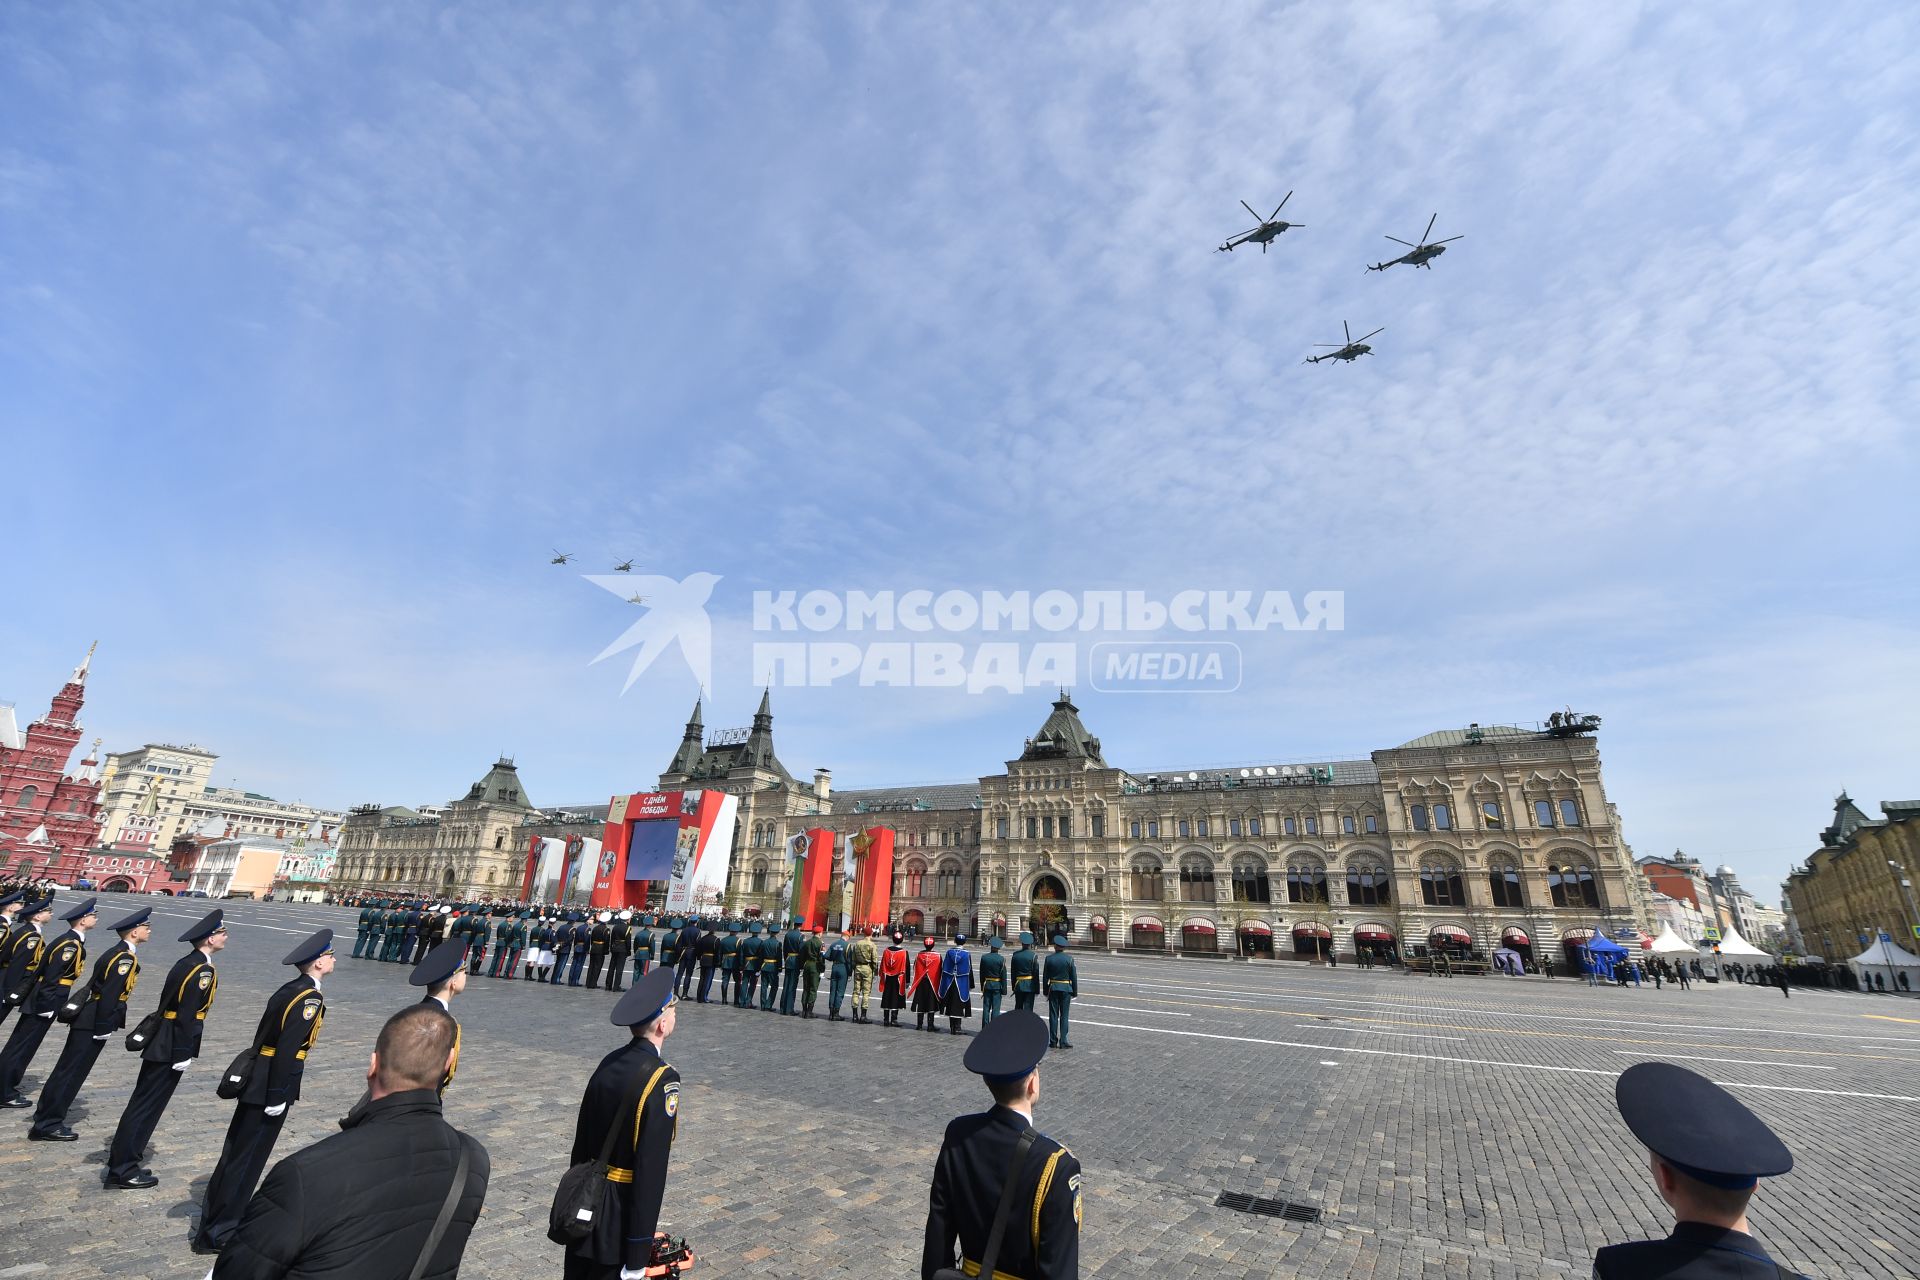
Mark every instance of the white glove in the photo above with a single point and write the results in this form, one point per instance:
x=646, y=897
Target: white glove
x=105, y=1037
x=47, y=1014
x=628, y=1274
x=277, y=1109
x=182, y=1066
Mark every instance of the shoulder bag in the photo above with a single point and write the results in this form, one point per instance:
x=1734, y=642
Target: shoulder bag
x=143, y=1031
x=233, y=1081
x=1020, y=1150
x=447, y=1207
x=584, y=1193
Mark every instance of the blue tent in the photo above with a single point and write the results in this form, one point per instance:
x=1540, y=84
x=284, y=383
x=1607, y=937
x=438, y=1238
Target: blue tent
x=1602, y=953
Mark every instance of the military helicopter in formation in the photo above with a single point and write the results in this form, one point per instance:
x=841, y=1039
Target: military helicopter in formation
x=1353, y=350
x=1264, y=234
x=1423, y=253
x=561, y=557
x=636, y=598
x=625, y=566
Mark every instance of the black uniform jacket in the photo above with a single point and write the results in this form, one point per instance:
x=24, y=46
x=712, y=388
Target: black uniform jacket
x=61, y=965
x=640, y=1150
x=23, y=964
x=1695, y=1251
x=103, y=1008
x=184, y=1002
x=358, y=1205
x=286, y=1033
x=1042, y=1240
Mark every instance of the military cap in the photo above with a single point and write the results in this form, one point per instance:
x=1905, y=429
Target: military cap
x=1026, y=939
x=132, y=920
x=1697, y=1127
x=645, y=1000
x=312, y=949
x=35, y=908
x=445, y=910
x=18, y=895
x=606, y=916
x=1008, y=1048
x=626, y=915
x=1059, y=939
x=927, y=941
x=959, y=939
x=439, y=964
x=993, y=943
x=84, y=909
x=754, y=926
x=733, y=926
x=819, y=929
x=208, y=926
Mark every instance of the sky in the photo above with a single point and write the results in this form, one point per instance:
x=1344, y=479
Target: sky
x=322, y=328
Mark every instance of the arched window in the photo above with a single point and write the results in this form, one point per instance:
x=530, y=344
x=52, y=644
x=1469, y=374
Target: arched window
x=1503, y=881
x=1491, y=817
x=1250, y=881
x=1573, y=887
x=759, y=878
x=1368, y=886
x=916, y=879
x=1440, y=885
x=1196, y=880
x=1148, y=883
x=1306, y=882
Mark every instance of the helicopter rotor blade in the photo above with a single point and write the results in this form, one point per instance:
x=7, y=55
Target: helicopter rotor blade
x=1277, y=208
x=1349, y=332
x=1398, y=240
x=1250, y=209
x=1429, y=231
x=1450, y=239
x=1381, y=329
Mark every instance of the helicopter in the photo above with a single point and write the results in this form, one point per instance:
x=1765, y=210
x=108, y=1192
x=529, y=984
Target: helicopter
x=561, y=557
x=1354, y=349
x=625, y=566
x=636, y=598
x=1423, y=253
x=1263, y=234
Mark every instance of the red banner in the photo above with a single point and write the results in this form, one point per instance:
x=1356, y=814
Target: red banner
x=873, y=880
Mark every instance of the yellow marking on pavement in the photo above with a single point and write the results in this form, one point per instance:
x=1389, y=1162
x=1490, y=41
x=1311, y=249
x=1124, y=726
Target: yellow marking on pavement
x=1888, y=1018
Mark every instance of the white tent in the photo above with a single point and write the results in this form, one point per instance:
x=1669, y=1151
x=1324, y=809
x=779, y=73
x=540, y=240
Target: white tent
x=1735, y=947
x=1670, y=943
x=1885, y=959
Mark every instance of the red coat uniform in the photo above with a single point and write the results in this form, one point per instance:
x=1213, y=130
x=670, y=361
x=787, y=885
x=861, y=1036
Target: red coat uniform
x=893, y=978
x=924, y=994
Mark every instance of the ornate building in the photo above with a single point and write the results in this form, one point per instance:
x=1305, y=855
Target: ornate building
x=1476, y=837
x=471, y=849
x=49, y=818
x=1859, y=882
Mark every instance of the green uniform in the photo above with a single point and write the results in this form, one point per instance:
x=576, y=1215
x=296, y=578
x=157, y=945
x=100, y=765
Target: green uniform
x=769, y=970
x=813, y=959
x=993, y=983
x=1026, y=977
x=1062, y=981
x=864, y=959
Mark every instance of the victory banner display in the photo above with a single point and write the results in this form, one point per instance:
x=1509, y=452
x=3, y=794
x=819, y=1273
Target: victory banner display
x=681, y=839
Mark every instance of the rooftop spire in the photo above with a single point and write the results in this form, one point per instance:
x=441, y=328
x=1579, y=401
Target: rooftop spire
x=80, y=672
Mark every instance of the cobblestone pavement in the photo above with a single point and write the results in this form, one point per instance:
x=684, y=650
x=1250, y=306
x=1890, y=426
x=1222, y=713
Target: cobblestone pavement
x=1444, y=1127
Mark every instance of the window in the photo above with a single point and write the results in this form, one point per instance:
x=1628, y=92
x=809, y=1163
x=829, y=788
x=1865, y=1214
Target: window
x=1200, y=827
x=1253, y=826
x=1313, y=826
x=1233, y=826
x=1183, y=829
x=1542, y=814
x=1147, y=882
x=1419, y=817
x=1153, y=830
x=1490, y=815
x=1573, y=887
x=1066, y=826
x=1346, y=824
x=1503, y=882
x=1033, y=828
x=1133, y=829
x=1099, y=821
x=1368, y=886
x=1000, y=828
x=1099, y=884
x=1569, y=814
x=1046, y=826
x=1196, y=881
x=1287, y=826
x=1306, y=883
x=1250, y=883
x=1372, y=824
x=916, y=879
x=1440, y=886
x=1442, y=817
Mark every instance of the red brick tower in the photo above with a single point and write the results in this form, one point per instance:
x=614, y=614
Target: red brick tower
x=48, y=817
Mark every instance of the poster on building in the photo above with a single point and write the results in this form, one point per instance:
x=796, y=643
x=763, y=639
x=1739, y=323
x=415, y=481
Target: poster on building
x=681, y=840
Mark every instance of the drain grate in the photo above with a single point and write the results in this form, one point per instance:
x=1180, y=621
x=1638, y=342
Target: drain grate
x=1291, y=1210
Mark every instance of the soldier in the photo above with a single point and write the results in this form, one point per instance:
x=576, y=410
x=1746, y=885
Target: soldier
x=436, y=932
x=924, y=993
x=956, y=983
x=477, y=932
x=864, y=959
x=769, y=968
x=792, y=943
x=813, y=958
x=20, y=948
x=185, y=1001
x=837, y=974
x=562, y=949
x=92, y=1016
x=893, y=982
x=634, y=1096
x=993, y=981
x=1707, y=1153
x=1062, y=981
x=966, y=1206
x=444, y=974
x=364, y=932
x=599, y=943
x=410, y=923
x=284, y=1037
x=619, y=947
x=503, y=943
x=1026, y=974
x=730, y=961
x=749, y=966
x=582, y=946
x=643, y=948
x=686, y=952
x=707, y=951
x=59, y=966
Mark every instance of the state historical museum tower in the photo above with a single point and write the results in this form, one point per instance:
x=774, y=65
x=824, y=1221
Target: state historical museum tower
x=49, y=818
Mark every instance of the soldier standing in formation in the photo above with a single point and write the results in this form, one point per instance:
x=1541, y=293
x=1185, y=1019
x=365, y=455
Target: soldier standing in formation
x=770, y=967
x=621, y=1243
x=893, y=982
x=92, y=1015
x=185, y=1001
x=730, y=963
x=925, y=991
x=643, y=948
x=749, y=967
x=791, y=943
x=619, y=947
x=1063, y=984
x=837, y=974
x=59, y=967
x=813, y=958
x=685, y=956
x=24, y=947
x=562, y=950
x=993, y=981
x=864, y=959
x=956, y=983
x=1026, y=974
x=706, y=950
x=363, y=931
x=285, y=1035
x=599, y=942
x=582, y=947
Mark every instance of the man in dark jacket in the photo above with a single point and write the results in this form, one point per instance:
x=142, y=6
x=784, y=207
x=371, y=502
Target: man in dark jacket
x=184, y=1002
x=361, y=1204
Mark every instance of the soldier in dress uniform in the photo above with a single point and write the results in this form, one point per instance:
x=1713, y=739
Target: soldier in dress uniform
x=477, y=933
x=730, y=962
x=792, y=942
x=686, y=953
x=643, y=948
x=93, y=1015
x=1042, y=1239
x=749, y=967
x=539, y=942
x=582, y=946
x=924, y=993
x=363, y=932
x=1707, y=1153
x=813, y=959
x=410, y=922
x=956, y=983
x=993, y=981
x=1062, y=982
x=562, y=948
x=444, y=974
x=619, y=947
x=287, y=1031
x=503, y=945
x=893, y=982
x=185, y=1001
x=707, y=951
x=599, y=944
x=621, y=1243
x=863, y=957
x=837, y=959
x=60, y=965
x=20, y=953
x=770, y=968
x=1026, y=974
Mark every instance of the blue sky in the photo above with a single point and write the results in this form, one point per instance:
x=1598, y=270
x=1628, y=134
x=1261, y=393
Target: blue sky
x=319, y=327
